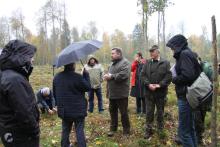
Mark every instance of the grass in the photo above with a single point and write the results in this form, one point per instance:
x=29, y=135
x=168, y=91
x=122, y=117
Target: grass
x=97, y=125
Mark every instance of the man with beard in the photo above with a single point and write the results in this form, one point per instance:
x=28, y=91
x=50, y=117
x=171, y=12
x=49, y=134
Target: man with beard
x=19, y=115
x=118, y=79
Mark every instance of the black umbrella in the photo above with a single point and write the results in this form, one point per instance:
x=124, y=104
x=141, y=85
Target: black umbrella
x=77, y=51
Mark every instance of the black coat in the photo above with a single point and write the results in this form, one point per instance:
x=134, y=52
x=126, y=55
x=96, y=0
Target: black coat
x=162, y=75
x=69, y=91
x=187, y=66
x=138, y=90
x=18, y=108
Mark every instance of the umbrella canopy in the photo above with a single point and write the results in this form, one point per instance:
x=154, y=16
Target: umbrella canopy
x=77, y=51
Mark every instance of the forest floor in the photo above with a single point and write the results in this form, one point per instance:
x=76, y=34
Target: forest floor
x=97, y=125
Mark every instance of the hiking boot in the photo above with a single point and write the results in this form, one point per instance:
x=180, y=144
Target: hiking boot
x=148, y=135
x=111, y=133
x=126, y=132
x=177, y=140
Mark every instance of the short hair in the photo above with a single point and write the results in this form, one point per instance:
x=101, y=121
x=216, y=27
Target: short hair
x=118, y=50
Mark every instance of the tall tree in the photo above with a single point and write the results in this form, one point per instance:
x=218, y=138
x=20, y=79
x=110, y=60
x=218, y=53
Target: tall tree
x=52, y=15
x=146, y=11
x=93, y=30
x=215, y=82
x=4, y=31
x=137, y=37
x=65, y=35
x=159, y=7
x=75, y=34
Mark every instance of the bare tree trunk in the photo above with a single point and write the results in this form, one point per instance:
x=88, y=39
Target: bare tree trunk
x=143, y=24
x=215, y=82
x=158, y=29
x=22, y=26
x=164, y=35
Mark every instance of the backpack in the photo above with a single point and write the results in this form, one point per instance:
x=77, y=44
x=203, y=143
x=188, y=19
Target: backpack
x=207, y=69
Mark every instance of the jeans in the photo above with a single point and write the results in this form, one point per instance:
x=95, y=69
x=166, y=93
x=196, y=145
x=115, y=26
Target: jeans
x=186, y=129
x=122, y=105
x=91, y=99
x=66, y=130
x=21, y=142
x=140, y=105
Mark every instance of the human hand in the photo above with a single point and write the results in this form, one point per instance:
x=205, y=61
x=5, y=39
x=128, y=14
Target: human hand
x=152, y=87
x=50, y=112
x=54, y=109
x=107, y=77
x=157, y=85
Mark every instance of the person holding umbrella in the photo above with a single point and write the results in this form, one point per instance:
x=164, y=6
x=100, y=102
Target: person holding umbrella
x=69, y=90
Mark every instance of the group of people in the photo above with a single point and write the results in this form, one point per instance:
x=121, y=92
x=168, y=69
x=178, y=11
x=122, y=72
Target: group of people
x=19, y=110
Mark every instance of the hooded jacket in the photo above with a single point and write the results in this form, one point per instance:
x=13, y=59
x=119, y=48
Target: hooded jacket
x=19, y=114
x=95, y=72
x=187, y=66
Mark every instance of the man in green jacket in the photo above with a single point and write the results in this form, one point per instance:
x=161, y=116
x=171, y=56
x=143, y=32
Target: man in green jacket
x=118, y=80
x=156, y=77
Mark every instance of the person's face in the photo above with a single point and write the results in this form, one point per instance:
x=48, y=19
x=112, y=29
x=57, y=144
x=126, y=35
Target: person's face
x=154, y=54
x=45, y=94
x=137, y=57
x=32, y=60
x=92, y=61
x=115, y=55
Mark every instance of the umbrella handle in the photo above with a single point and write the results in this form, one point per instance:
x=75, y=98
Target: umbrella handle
x=82, y=63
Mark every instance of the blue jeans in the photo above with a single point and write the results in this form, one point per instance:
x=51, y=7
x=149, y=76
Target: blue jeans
x=91, y=99
x=186, y=129
x=66, y=130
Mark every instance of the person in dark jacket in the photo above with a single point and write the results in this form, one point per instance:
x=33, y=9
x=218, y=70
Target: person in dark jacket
x=187, y=70
x=156, y=77
x=19, y=115
x=137, y=88
x=69, y=90
x=46, y=101
x=118, y=81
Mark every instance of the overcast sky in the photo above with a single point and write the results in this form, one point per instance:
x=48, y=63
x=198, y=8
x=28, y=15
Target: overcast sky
x=123, y=14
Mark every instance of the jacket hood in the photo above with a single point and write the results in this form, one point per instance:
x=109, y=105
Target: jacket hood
x=16, y=54
x=93, y=57
x=178, y=43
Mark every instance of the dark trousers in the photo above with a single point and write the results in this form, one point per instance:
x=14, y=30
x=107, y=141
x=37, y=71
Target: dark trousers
x=9, y=141
x=98, y=93
x=199, y=123
x=140, y=105
x=122, y=105
x=66, y=130
x=151, y=102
